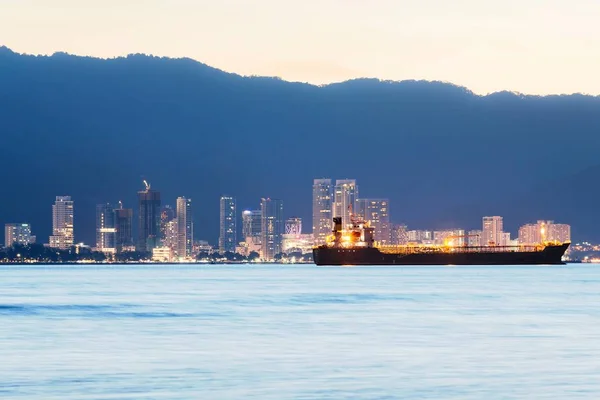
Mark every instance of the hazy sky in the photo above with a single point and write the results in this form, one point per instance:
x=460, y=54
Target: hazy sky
x=530, y=46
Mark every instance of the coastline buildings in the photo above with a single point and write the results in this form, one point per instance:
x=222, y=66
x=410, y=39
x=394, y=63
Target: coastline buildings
x=184, y=227
x=106, y=231
x=322, y=205
x=272, y=227
x=18, y=234
x=149, y=219
x=376, y=213
x=345, y=197
x=63, y=236
x=227, y=225
x=543, y=231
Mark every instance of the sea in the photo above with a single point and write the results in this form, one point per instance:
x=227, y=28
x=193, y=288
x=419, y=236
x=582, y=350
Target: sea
x=299, y=332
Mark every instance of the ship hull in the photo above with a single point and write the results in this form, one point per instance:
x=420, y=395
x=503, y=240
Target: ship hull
x=551, y=254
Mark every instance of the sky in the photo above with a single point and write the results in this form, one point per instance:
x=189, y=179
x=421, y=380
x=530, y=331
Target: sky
x=527, y=46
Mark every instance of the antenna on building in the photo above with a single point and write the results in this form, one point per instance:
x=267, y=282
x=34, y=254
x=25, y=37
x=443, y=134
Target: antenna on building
x=147, y=185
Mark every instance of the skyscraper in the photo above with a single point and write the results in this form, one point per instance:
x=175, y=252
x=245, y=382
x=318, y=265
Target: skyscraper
x=124, y=225
x=62, y=223
x=106, y=231
x=345, y=196
x=272, y=228
x=149, y=219
x=492, y=231
x=185, y=227
x=228, y=225
x=543, y=231
x=376, y=212
x=322, y=210
x=18, y=234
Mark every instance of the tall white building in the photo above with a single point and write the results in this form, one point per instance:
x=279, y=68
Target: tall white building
x=185, y=227
x=492, y=231
x=345, y=200
x=322, y=210
x=227, y=225
x=17, y=234
x=376, y=212
x=62, y=223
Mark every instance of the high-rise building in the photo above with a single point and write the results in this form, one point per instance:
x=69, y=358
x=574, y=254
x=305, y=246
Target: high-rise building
x=62, y=223
x=345, y=197
x=106, y=228
x=492, y=231
x=149, y=219
x=252, y=224
x=18, y=234
x=475, y=238
x=272, y=228
x=559, y=233
x=171, y=238
x=167, y=214
x=322, y=210
x=543, y=231
x=124, y=231
x=376, y=212
x=399, y=234
x=293, y=226
x=228, y=225
x=185, y=227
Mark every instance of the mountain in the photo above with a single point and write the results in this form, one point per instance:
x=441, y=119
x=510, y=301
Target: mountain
x=94, y=128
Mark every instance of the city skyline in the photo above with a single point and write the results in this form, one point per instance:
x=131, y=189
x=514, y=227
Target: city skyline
x=269, y=225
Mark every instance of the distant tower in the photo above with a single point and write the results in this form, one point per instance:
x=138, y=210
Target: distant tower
x=345, y=197
x=293, y=226
x=62, y=223
x=377, y=213
x=149, y=219
x=272, y=228
x=228, y=226
x=123, y=225
x=185, y=227
x=106, y=228
x=322, y=210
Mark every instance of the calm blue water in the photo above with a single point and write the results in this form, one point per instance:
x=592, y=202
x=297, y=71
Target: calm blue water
x=300, y=333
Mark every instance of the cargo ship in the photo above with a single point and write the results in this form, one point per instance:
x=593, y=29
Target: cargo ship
x=356, y=246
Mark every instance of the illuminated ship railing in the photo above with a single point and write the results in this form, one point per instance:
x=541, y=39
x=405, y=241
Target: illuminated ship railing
x=406, y=249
